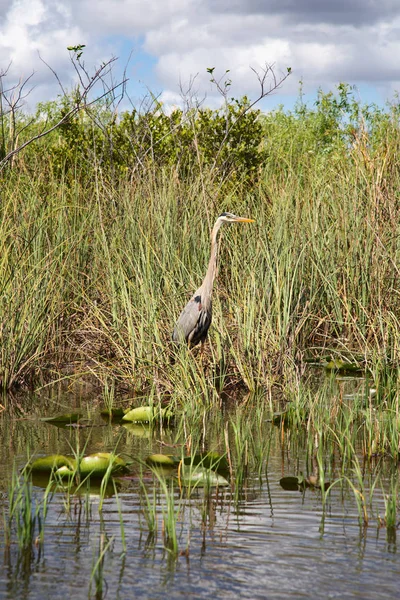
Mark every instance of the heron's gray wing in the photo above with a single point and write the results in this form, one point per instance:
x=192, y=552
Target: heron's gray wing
x=193, y=323
x=187, y=320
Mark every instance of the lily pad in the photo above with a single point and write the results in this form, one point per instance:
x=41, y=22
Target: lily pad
x=65, y=419
x=209, y=460
x=46, y=464
x=113, y=413
x=163, y=460
x=201, y=477
x=146, y=414
x=66, y=471
x=342, y=366
x=97, y=464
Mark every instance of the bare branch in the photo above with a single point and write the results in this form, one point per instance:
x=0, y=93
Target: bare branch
x=262, y=77
x=54, y=73
x=80, y=104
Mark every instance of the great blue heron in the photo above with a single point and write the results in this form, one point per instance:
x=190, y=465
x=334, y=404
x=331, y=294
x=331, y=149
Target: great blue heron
x=195, y=319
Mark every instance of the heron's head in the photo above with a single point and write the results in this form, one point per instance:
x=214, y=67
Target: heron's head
x=227, y=217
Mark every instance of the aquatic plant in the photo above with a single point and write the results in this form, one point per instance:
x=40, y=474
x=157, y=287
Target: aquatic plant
x=26, y=513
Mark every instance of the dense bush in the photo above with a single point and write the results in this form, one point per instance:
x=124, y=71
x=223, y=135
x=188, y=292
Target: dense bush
x=225, y=143
x=227, y=146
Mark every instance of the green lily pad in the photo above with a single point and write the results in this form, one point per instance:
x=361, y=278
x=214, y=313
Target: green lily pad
x=66, y=471
x=201, y=477
x=46, y=464
x=209, y=460
x=161, y=459
x=64, y=419
x=113, y=413
x=96, y=465
x=342, y=366
x=146, y=414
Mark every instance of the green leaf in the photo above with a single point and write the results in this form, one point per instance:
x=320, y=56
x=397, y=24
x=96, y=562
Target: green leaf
x=164, y=460
x=342, y=366
x=46, y=464
x=97, y=464
x=146, y=414
x=62, y=419
x=201, y=477
x=65, y=471
x=76, y=48
x=113, y=413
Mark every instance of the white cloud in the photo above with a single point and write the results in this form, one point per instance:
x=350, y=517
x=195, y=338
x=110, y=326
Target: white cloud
x=22, y=18
x=328, y=42
x=32, y=30
x=127, y=17
x=323, y=42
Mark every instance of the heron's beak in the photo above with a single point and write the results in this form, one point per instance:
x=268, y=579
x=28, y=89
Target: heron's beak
x=244, y=220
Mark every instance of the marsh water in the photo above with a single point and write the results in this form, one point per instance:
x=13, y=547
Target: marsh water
x=252, y=539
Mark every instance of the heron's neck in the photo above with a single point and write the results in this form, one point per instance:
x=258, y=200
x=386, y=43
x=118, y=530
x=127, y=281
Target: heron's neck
x=208, y=282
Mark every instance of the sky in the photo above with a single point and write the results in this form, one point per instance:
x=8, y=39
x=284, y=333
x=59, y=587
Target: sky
x=163, y=45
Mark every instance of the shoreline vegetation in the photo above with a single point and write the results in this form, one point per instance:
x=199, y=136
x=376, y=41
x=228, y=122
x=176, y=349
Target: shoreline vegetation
x=104, y=233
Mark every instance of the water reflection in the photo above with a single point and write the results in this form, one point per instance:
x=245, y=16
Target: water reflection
x=252, y=540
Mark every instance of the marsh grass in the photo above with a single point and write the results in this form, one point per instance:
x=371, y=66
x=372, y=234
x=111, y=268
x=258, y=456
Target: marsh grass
x=98, y=274
x=170, y=512
x=26, y=514
x=95, y=270
x=391, y=508
x=109, y=396
x=121, y=517
x=97, y=575
x=323, y=439
x=149, y=508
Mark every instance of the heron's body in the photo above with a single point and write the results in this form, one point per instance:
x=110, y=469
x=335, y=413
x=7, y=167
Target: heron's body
x=194, y=322
x=195, y=319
